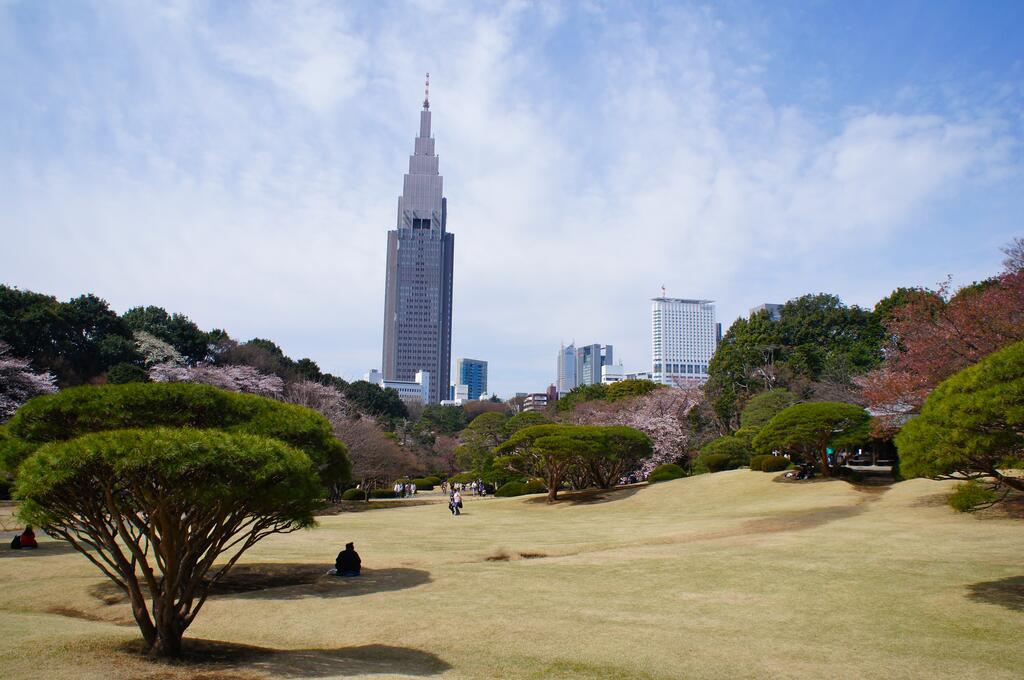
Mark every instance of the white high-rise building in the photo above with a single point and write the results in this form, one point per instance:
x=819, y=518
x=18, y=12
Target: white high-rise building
x=567, y=378
x=683, y=340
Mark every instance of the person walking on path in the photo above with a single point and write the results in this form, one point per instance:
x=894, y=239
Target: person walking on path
x=457, y=504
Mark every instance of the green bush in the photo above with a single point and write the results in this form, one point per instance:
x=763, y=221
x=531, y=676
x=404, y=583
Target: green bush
x=716, y=462
x=354, y=495
x=462, y=478
x=534, y=486
x=510, y=489
x=971, y=495
x=382, y=493
x=517, y=488
x=432, y=480
x=769, y=463
x=665, y=473
x=423, y=484
x=774, y=464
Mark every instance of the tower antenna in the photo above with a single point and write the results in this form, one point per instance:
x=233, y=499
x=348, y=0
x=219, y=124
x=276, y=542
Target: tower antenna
x=426, y=93
x=663, y=294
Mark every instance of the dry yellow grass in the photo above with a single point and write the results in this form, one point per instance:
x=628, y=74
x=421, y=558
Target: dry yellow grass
x=720, y=576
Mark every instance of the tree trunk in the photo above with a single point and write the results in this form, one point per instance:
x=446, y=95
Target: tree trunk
x=552, y=493
x=168, y=641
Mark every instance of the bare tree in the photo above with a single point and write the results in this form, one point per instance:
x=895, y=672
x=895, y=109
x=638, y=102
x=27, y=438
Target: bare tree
x=1014, y=251
x=377, y=459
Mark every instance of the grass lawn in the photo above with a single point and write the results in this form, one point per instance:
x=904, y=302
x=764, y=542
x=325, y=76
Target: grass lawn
x=728, y=575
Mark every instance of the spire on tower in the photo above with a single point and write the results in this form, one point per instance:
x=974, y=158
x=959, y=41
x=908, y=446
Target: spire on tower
x=426, y=93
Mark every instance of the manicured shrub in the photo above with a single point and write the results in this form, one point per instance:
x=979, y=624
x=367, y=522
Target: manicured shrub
x=354, y=495
x=432, y=480
x=423, y=485
x=755, y=461
x=534, y=486
x=462, y=478
x=382, y=493
x=510, y=489
x=517, y=488
x=774, y=464
x=970, y=496
x=665, y=473
x=716, y=462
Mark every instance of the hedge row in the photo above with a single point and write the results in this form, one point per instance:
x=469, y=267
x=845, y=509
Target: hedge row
x=769, y=463
x=517, y=488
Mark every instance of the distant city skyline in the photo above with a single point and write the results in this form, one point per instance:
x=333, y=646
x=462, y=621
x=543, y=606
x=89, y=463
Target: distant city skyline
x=238, y=162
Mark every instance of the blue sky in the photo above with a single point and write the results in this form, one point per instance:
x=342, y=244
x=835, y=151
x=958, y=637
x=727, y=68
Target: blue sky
x=240, y=162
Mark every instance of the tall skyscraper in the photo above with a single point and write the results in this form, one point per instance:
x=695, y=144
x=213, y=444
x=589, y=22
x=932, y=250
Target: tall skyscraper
x=589, y=360
x=683, y=339
x=473, y=374
x=418, y=287
x=566, y=369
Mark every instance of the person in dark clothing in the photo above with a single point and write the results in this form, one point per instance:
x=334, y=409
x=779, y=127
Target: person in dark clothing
x=348, y=562
x=27, y=539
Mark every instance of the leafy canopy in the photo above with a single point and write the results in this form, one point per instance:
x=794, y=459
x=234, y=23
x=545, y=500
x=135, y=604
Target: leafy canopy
x=153, y=509
x=972, y=424
x=810, y=429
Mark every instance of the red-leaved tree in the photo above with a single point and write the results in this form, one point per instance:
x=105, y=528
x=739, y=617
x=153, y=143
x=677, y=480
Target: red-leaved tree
x=932, y=337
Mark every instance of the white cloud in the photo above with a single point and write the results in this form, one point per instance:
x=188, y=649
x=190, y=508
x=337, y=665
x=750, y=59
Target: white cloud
x=243, y=168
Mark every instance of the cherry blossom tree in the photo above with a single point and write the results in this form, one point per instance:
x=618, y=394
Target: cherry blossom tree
x=326, y=399
x=377, y=459
x=156, y=351
x=661, y=415
x=19, y=383
x=236, y=378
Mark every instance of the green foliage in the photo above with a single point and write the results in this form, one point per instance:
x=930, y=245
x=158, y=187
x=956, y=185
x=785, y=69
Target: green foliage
x=766, y=406
x=736, y=449
x=716, y=462
x=78, y=411
x=972, y=495
x=75, y=340
x=443, y=419
x=126, y=373
x=665, y=473
x=462, y=478
x=810, y=429
x=432, y=480
x=354, y=495
x=423, y=484
x=972, y=424
x=769, y=463
x=176, y=499
x=523, y=420
x=375, y=400
x=580, y=394
x=552, y=452
x=630, y=388
x=520, y=488
x=383, y=493
x=817, y=338
x=176, y=329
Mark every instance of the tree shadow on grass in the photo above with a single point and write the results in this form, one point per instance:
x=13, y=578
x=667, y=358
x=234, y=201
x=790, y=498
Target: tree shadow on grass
x=591, y=496
x=207, y=657
x=1007, y=592
x=273, y=581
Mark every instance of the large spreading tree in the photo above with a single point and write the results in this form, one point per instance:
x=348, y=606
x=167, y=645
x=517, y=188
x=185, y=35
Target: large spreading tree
x=811, y=429
x=972, y=425
x=164, y=486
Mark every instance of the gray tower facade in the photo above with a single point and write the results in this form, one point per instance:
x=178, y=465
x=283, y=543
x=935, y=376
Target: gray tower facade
x=418, y=286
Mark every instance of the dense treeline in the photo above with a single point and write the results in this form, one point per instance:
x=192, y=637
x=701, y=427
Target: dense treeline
x=84, y=341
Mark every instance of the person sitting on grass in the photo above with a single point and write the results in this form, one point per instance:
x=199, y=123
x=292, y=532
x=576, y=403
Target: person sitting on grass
x=348, y=562
x=27, y=539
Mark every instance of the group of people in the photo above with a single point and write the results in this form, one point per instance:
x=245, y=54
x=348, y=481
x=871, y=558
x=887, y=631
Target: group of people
x=26, y=539
x=477, y=487
x=405, y=489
